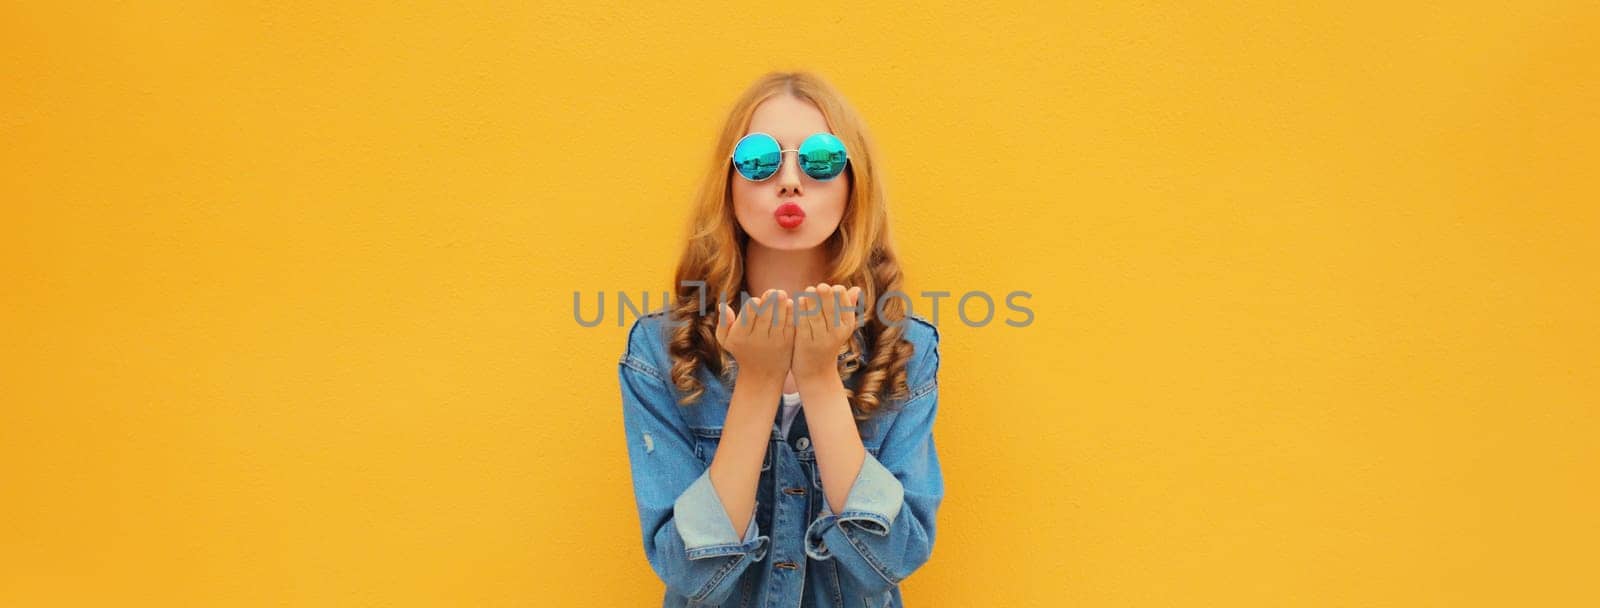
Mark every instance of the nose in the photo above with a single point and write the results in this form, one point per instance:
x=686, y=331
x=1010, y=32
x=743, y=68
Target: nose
x=788, y=177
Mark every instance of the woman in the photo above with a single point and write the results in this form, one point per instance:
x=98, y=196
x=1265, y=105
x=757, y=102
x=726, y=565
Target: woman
x=782, y=453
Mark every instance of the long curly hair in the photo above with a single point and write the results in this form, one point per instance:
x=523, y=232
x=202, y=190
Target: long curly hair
x=860, y=249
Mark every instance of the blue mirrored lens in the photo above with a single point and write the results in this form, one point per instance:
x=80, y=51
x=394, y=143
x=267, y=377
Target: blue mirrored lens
x=822, y=156
x=757, y=156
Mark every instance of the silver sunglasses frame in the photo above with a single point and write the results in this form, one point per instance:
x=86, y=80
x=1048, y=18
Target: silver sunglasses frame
x=781, y=152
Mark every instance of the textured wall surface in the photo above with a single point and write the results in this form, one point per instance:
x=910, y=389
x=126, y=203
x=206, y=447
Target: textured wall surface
x=286, y=294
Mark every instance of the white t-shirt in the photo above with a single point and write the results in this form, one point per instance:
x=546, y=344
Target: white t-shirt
x=791, y=406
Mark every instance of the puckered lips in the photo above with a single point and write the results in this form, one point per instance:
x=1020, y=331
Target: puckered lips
x=789, y=215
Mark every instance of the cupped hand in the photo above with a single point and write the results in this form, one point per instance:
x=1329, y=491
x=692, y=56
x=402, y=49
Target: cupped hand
x=761, y=337
x=825, y=319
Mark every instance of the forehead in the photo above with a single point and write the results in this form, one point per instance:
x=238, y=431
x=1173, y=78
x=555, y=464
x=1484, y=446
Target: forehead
x=789, y=119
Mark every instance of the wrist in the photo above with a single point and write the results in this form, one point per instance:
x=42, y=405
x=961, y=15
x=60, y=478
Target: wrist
x=824, y=377
x=762, y=381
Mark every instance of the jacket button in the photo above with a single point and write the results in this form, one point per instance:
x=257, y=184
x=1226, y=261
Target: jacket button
x=802, y=443
x=794, y=491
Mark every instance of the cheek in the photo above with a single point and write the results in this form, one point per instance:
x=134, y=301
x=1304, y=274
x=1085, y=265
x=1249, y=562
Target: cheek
x=831, y=201
x=744, y=203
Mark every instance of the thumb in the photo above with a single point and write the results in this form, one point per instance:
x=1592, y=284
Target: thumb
x=724, y=321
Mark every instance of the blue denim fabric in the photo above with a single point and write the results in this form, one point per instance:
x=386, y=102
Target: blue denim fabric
x=795, y=551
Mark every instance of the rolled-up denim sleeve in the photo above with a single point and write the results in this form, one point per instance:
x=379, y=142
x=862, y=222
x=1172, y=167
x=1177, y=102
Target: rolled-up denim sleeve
x=688, y=537
x=703, y=523
x=886, y=529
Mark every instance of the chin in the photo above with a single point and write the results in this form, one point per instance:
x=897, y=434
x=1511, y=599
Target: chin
x=784, y=240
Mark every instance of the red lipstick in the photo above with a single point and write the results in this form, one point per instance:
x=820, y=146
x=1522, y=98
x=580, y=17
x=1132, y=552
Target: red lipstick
x=789, y=215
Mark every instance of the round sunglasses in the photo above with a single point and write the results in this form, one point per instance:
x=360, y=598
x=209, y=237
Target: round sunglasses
x=758, y=156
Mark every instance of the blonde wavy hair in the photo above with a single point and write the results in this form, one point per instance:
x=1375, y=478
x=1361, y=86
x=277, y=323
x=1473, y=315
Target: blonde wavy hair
x=860, y=249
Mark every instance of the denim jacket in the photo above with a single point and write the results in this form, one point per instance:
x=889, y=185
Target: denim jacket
x=796, y=551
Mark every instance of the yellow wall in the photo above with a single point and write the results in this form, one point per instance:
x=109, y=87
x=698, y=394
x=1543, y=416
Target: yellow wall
x=287, y=294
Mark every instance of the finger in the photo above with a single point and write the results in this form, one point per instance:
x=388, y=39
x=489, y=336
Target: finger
x=747, y=316
x=775, y=316
x=829, y=306
x=724, y=321
x=764, y=312
x=851, y=298
x=817, y=292
x=752, y=314
x=839, y=320
x=811, y=310
x=786, y=316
